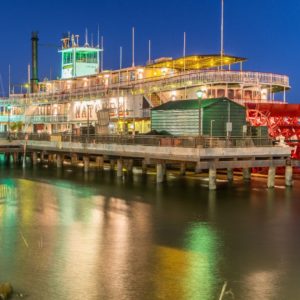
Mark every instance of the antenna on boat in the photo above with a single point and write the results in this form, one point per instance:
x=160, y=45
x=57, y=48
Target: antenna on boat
x=184, y=49
x=28, y=74
x=184, y=54
x=9, y=80
x=222, y=32
x=132, y=46
x=92, y=39
x=102, y=52
x=149, y=52
x=86, y=38
x=98, y=37
x=121, y=57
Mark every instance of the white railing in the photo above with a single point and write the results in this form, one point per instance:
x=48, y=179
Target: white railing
x=163, y=83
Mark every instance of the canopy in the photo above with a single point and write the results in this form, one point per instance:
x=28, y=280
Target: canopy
x=197, y=62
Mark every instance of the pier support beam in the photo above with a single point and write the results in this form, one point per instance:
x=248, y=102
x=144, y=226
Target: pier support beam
x=74, y=159
x=15, y=157
x=198, y=169
x=7, y=157
x=271, y=177
x=289, y=176
x=182, y=169
x=34, y=158
x=144, y=167
x=160, y=177
x=129, y=166
x=247, y=174
x=230, y=175
x=86, y=163
x=112, y=164
x=119, y=168
x=212, y=178
x=50, y=158
x=59, y=161
x=42, y=156
x=99, y=162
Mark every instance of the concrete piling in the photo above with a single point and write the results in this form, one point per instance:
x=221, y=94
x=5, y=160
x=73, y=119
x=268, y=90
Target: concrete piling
x=198, y=167
x=74, y=159
x=212, y=178
x=271, y=177
x=99, y=162
x=86, y=163
x=159, y=173
x=58, y=161
x=34, y=158
x=247, y=174
x=129, y=165
x=182, y=169
x=144, y=167
x=230, y=175
x=112, y=164
x=119, y=168
x=289, y=176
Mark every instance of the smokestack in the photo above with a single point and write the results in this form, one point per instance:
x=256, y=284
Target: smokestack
x=34, y=64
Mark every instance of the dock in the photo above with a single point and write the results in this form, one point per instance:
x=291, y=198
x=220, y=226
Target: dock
x=125, y=152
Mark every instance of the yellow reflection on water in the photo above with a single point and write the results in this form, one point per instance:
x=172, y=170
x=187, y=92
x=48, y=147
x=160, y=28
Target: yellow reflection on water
x=189, y=273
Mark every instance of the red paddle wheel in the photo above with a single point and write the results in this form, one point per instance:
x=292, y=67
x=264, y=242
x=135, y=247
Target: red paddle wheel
x=282, y=121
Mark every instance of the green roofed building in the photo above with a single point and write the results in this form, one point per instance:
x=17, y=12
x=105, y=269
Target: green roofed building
x=217, y=117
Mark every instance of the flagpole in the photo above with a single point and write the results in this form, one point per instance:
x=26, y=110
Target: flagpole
x=132, y=46
x=222, y=32
x=184, y=62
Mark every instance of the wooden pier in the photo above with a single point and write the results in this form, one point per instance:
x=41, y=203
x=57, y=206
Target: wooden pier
x=161, y=152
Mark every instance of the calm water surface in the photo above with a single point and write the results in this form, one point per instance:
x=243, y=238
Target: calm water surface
x=66, y=235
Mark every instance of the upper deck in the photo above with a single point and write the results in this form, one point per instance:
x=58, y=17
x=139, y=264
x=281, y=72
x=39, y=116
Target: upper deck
x=108, y=84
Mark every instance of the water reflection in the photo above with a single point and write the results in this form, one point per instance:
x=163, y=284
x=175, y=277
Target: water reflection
x=77, y=236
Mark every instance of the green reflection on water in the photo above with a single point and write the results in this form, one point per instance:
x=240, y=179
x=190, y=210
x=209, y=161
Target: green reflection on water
x=189, y=273
x=201, y=280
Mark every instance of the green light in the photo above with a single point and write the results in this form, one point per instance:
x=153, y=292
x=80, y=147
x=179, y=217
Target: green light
x=199, y=94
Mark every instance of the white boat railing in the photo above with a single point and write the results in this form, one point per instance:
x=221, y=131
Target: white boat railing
x=155, y=84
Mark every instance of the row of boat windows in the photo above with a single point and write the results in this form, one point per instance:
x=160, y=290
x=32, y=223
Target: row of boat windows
x=86, y=57
x=234, y=94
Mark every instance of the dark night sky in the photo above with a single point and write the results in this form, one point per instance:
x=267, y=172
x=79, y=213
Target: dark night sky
x=267, y=32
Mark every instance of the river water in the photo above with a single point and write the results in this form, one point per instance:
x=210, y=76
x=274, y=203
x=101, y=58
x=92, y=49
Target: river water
x=66, y=235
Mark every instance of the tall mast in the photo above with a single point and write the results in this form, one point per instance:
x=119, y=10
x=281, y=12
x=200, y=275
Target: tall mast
x=102, y=52
x=222, y=32
x=98, y=37
x=9, y=80
x=132, y=46
x=149, y=53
